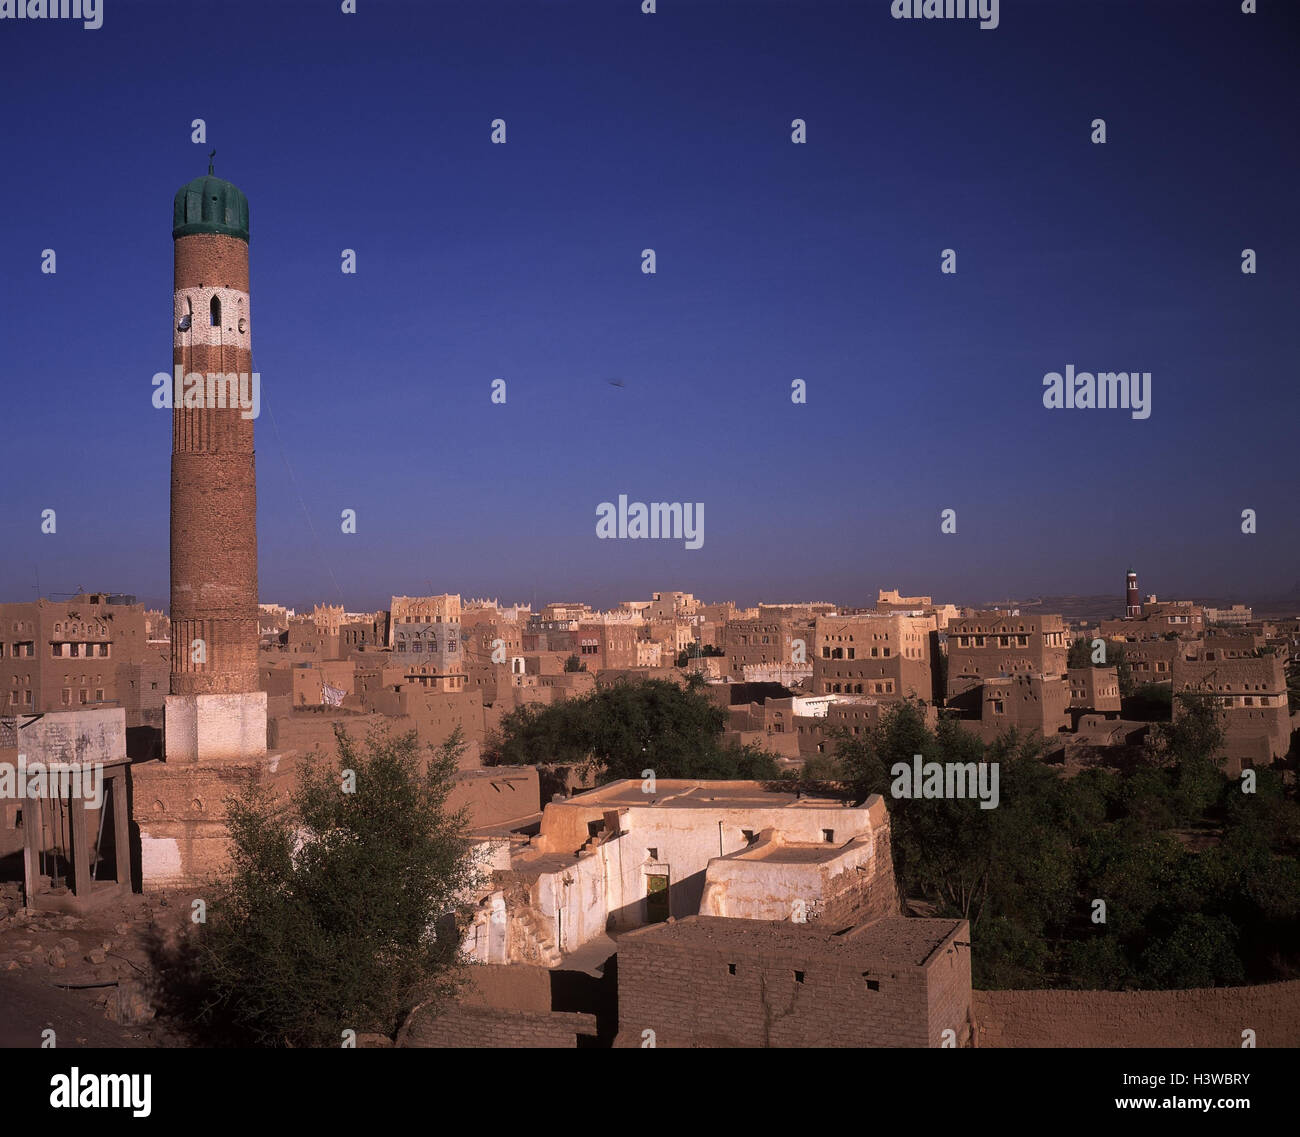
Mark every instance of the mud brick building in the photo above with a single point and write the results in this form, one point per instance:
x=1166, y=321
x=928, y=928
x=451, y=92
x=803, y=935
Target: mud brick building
x=983, y=645
x=716, y=982
x=627, y=854
x=1252, y=696
x=1094, y=689
x=766, y=640
x=61, y=655
x=886, y=656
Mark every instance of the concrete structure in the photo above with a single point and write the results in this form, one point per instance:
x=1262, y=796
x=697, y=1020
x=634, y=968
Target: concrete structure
x=69, y=783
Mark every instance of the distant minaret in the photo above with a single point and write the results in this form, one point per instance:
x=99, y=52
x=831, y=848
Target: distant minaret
x=215, y=709
x=1133, y=602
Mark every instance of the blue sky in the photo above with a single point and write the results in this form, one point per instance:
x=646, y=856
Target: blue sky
x=775, y=262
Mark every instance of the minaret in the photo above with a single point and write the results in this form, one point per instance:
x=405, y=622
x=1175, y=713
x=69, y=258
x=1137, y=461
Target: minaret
x=1133, y=602
x=215, y=709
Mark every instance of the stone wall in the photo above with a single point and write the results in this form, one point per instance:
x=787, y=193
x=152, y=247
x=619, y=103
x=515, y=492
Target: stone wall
x=1197, y=1017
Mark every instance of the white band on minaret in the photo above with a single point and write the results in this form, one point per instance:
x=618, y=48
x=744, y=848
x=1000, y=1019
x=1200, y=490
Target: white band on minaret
x=234, y=329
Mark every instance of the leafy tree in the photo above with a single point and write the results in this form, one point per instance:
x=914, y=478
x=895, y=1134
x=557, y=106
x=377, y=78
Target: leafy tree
x=325, y=918
x=1080, y=655
x=1150, y=702
x=574, y=663
x=1200, y=951
x=695, y=651
x=1191, y=743
x=1027, y=873
x=621, y=730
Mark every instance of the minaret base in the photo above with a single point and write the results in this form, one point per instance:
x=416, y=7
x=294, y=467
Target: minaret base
x=215, y=728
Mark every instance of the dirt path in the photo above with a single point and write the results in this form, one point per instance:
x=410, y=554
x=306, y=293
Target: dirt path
x=30, y=1005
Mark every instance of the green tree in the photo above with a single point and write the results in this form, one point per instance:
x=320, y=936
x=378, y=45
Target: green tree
x=619, y=731
x=325, y=920
x=1081, y=655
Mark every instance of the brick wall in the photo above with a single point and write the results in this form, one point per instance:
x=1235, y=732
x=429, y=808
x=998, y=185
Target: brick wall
x=493, y=1028
x=1198, y=1017
x=798, y=990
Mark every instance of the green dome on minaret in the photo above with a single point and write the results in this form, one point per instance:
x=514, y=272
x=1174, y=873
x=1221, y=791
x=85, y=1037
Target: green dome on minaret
x=210, y=205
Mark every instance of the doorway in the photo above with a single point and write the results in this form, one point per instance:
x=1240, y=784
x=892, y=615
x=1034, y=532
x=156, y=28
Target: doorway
x=656, y=899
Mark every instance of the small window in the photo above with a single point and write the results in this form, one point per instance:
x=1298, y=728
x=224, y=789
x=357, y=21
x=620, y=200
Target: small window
x=731, y=969
x=798, y=976
x=748, y=834
x=214, y=311
x=872, y=984
x=828, y=834
x=653, y=854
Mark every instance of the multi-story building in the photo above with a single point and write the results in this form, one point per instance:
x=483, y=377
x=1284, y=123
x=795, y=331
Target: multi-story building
x=984, y=645
x=782, y=640
x=886, y=656
x=890, y=601
x=671, y=606
x=1028, y=703
x=1252, y=695
x=609, y=643
x=1157, y=618
x=1237, y=614
x=424, y=634
x=1094, y=689
x=60, y=655
x=1150, y=660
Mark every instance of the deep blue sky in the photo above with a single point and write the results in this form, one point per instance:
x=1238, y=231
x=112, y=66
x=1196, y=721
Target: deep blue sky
x=775, y=262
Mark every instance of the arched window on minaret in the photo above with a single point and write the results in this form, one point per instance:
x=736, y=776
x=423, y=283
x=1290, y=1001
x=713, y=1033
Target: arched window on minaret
x=214, y=311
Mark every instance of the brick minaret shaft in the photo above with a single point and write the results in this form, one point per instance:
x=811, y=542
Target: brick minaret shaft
x=214, y=494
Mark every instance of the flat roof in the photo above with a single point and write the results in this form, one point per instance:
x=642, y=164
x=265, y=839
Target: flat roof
x=890, y=940
x=686, y=794
x=802, y=853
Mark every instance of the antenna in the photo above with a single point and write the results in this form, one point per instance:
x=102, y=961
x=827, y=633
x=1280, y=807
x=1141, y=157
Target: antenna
x=211, y=155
